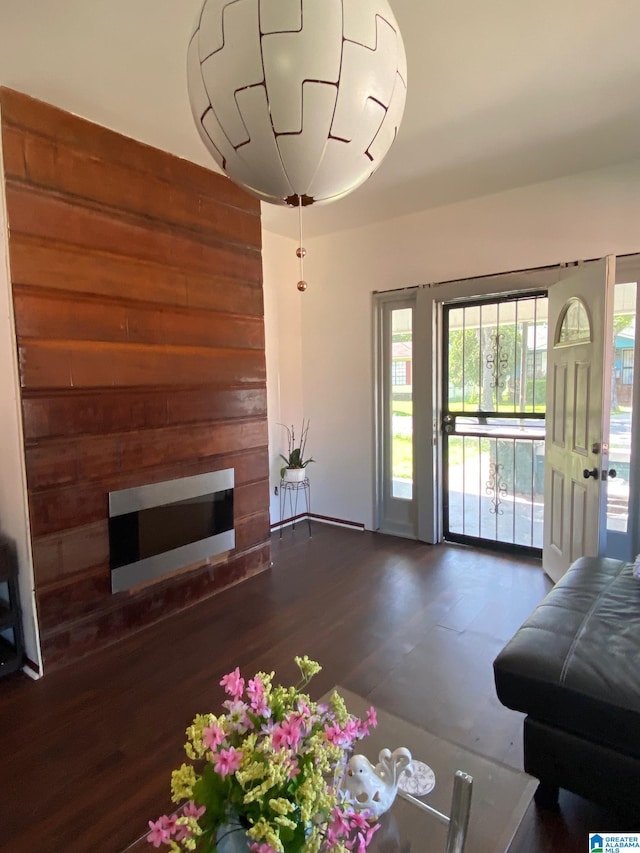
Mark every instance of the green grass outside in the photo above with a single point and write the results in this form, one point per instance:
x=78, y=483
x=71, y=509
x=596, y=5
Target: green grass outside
x=402, y=446
x=402, y=407
x=405, y=407
x=402, y=457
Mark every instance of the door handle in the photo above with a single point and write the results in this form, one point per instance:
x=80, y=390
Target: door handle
x=604, y=474
x=590, y=473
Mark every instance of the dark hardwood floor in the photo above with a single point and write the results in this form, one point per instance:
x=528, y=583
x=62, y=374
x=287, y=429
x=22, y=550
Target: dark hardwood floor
x=88, y=750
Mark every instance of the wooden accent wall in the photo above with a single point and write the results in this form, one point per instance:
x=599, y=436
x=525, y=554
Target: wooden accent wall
x=137, y=288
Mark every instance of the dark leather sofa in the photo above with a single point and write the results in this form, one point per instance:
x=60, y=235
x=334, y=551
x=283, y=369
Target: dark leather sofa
x=574, y=669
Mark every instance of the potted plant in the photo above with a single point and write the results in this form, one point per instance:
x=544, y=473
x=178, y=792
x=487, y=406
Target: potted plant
x=294, y=470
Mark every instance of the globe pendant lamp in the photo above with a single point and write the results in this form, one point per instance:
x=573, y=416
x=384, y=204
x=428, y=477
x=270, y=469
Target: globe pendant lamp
x=298, y=101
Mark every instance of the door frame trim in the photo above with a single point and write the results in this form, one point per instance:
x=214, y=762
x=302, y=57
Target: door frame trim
x=482, y=301
x=383, y=303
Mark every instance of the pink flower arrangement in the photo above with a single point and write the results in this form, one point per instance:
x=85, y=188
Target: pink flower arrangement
x=269, y=768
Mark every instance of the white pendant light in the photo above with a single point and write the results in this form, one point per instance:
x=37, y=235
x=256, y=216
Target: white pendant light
x=297, y=100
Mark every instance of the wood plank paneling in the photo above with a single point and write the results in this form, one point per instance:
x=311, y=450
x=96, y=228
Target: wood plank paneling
x=251, y=498
x=66, y=598
x=49, y=218
x=79, y=595
x=22, y=112
x=66, y=510
x=55, y=318
x=92, y=412
x=137, y=288
x=126, y=613
x=58, y=508
x=252, y=529
x=87, y=364
x=75, y=270
x=71, y=550
x=50, y=164
x=96, y=457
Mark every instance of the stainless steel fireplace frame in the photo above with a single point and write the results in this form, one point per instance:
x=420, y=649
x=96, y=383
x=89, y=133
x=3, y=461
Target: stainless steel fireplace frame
x=152, y=495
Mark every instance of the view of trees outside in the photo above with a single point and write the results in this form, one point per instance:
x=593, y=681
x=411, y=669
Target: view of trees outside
x=497, y=357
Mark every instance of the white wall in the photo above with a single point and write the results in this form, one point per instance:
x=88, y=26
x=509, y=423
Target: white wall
x=14, y=513
x=283, y=349
x=578, y=217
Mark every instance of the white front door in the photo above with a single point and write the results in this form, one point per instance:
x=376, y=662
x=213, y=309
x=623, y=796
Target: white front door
x=578, y=404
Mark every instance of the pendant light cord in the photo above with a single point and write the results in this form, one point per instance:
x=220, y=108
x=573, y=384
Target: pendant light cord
x=301, y=250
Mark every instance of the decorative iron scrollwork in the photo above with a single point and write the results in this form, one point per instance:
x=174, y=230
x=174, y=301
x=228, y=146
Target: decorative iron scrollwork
x=497, y=361
x=496, y=487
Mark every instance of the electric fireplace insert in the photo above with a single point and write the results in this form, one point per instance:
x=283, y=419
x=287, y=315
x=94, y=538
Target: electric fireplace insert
x=160, y=527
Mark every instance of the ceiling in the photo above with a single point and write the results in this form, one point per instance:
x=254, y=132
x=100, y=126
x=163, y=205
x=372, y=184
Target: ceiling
x=501, y=93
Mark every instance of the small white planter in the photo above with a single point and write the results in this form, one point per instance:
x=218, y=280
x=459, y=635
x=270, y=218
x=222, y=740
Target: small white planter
x=294, y=475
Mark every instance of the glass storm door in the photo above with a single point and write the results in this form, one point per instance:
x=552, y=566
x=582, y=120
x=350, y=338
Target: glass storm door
x=493, y=421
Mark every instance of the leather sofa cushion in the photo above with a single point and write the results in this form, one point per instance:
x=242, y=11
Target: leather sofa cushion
x=575, y=662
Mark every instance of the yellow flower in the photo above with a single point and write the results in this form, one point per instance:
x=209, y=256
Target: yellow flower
x=308, y=668
x=249, y=744
x=336, y=703
x=182, y=781
x=326, y=800
x=266, y=678
x=326, y=754
x=257, y=793
x=313, y=842
x=281, y=806
x=274, y=767
x=283, y=698
x=191, y=823
x=251, y=772
x=263, y=831
x=285, y=821
x=309, y=795
x=195, y=747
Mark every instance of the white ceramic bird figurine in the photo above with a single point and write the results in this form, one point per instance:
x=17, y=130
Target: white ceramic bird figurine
x=374, y=788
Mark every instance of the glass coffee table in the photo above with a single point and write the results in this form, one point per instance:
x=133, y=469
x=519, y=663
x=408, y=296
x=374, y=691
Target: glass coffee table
x=500, y=795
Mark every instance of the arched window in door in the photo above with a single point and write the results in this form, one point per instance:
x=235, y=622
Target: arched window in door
x=574, y=326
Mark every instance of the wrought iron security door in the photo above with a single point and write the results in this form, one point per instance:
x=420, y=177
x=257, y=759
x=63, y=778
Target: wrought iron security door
x=493, y=421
